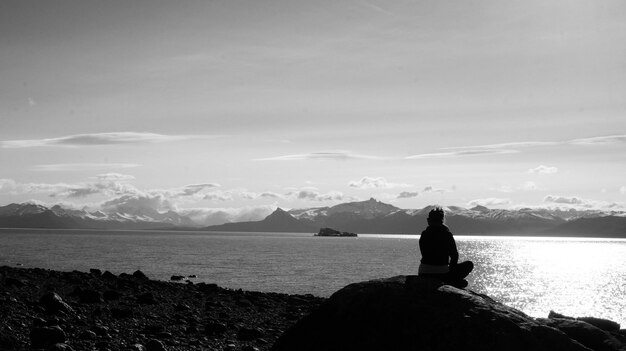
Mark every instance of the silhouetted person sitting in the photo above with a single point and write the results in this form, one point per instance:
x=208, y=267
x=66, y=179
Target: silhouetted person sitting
x=439, y=254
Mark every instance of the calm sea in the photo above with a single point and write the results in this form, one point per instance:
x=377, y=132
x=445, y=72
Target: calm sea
x=579, y=277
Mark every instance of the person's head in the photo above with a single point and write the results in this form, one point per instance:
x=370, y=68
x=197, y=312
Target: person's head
x=435, y=216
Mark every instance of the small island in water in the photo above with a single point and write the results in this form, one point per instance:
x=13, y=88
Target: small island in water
x=335, y=233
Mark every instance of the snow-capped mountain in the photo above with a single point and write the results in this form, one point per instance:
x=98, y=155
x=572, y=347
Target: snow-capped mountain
x=38, y=216
x=372, y=216
x=369, y=216
x=363, y=209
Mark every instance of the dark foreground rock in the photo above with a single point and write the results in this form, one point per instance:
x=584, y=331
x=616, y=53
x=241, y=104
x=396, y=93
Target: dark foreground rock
x=49, y=310
x=411, y=313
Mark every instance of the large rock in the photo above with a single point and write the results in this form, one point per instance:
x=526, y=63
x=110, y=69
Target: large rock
x=413, y=313
x=54, y=304
x=586, y=334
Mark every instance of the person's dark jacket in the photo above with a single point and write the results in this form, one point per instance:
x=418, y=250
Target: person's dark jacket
x=437, y=246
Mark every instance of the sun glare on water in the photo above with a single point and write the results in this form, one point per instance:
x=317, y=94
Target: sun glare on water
x=573, y=277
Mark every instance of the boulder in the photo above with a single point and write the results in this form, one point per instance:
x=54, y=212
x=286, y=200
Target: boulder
x=586, y=334
x=601, y=323
x=108, y=275
x=415, y=313
x=140, y=275
x=53, y=303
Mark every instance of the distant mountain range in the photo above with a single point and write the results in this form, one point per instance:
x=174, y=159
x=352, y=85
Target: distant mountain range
x=36, y=216
x=362, y=217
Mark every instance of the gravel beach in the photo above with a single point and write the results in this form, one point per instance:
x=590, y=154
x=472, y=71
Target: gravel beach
x=51, y=310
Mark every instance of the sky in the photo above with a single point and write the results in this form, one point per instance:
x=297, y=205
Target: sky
x=245, y=106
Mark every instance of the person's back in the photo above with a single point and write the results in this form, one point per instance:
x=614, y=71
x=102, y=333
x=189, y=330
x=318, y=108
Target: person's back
x=439, y=253
x=437, y=245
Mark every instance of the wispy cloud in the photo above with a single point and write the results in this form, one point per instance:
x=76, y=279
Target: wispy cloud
x=218, y=196
x=111, y=185
x=541, y=169
x=431, y=189
x=521, y=144
x=104, y=187
x=192, y=189
x=97, y=139
x=375, y=8
x=509, y=148
x=339, y=155
x=582, y=203
x=460, y=153
x=114, y=177
x=570, y=200
x=193, y=192
x=77, y=190
x=314, y=195
x=407, y=194
x=622, y=190
x=375, y=182
x=60, y=167
x=248, y=195
x=608, y=139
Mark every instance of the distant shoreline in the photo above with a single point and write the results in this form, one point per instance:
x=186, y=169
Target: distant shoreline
x=366, y=235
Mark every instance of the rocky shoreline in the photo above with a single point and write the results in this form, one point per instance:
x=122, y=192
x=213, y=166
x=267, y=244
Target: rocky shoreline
x=51, y=310
x=421, y=313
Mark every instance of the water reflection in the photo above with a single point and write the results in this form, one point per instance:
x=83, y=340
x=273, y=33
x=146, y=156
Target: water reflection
x=578, y=277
